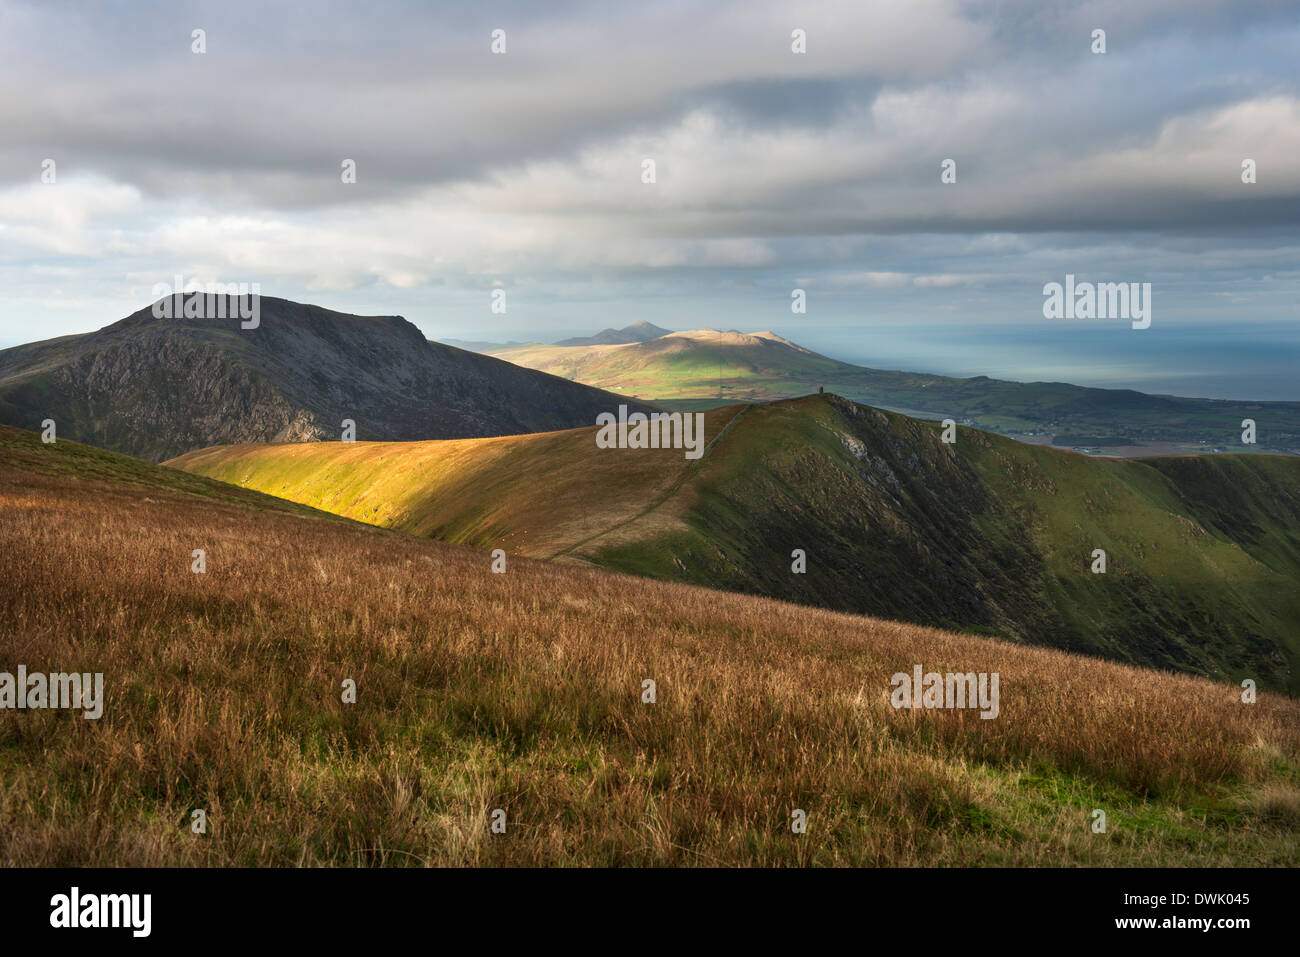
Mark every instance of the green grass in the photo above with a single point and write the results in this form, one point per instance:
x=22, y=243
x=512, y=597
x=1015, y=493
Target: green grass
x=996, y=537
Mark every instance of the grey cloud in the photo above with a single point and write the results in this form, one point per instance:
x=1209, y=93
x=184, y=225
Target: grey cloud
x=815, y=161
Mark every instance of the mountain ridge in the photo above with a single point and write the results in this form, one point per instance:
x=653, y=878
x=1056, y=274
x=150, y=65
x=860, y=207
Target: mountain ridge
x=640, y=331
x=987, y=535
x=156, y=387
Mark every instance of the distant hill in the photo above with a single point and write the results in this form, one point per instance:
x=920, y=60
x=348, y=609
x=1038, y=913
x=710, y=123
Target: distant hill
x=157, y=387
x=472, y=345
x=637, y=332
x=704, y=368
x=988, y=535
x=703, y=364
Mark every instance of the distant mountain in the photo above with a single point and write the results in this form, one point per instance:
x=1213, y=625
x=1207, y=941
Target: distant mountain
x=700, y=363
x=157, y=387
x=986, y=535
x=704, y=368
x=474, y=345
x=637, y=332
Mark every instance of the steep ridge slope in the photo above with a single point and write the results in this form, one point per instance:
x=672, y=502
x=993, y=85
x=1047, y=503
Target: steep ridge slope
x=157, y=387
x=985, y=535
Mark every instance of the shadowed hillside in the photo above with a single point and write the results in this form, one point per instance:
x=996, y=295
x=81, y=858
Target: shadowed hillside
x=987, y=535
x=157, y=387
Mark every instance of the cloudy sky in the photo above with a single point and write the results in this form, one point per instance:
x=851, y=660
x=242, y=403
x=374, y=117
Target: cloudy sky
x=773, y=170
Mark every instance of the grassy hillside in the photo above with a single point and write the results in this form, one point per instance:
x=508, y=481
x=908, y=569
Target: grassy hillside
x=77, y=466
x=987, y=535
x=706, y=367
x=522, y=691
x=701, y=364
x=533, y=495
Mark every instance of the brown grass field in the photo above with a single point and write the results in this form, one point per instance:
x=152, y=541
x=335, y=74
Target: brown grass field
x=522, y=691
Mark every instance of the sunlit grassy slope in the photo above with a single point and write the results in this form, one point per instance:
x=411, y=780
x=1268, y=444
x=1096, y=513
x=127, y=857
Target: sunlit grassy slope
x=534, y=494
x=987, y=535
x=523, y=691
x=701, y=364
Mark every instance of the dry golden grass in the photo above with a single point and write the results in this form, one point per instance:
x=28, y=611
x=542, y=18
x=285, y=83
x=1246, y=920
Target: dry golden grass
x=522, y=691
x=539, y=494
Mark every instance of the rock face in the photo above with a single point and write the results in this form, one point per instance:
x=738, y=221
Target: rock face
x=158, y=387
